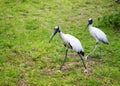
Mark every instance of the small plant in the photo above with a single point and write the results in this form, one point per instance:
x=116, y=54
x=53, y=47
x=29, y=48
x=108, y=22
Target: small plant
x=23, y=0
x=112, y=20
x=32, y=24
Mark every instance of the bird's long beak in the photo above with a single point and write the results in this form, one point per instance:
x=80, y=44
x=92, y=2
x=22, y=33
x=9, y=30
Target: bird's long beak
x=53, y=34
x=86, y=26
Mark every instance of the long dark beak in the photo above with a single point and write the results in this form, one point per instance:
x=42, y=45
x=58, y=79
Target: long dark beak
x=53, y=34
x=86, y=26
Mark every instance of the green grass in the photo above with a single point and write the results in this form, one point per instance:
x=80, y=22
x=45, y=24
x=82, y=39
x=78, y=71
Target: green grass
x=26, y=57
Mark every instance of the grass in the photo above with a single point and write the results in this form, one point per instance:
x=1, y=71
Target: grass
x=26, y=57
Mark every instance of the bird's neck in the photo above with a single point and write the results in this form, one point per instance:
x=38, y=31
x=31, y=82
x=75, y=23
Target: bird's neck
x=61, y=34
x=90, y=26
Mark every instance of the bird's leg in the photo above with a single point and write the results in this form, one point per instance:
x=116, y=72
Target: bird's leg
x=100, y=51
x=83, y=63
x=64, y=59
x=92, y=51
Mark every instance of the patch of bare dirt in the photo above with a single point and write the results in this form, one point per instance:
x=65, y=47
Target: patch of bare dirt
x=16, y=53
x=75, y=65
x=47, y=71
x=21, y=82
x=73, y=54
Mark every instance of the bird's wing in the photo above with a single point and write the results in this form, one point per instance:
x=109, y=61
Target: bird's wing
x=74, y=42
x=101, y=35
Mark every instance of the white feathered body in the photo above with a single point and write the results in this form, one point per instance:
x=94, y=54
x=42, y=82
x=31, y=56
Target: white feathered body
x=97, y=34
x=71, y=42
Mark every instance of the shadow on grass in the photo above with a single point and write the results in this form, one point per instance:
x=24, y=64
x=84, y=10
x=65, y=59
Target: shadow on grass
x=94, y=58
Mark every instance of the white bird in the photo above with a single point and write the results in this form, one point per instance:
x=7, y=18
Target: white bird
x=98, y=35
x=69, y=42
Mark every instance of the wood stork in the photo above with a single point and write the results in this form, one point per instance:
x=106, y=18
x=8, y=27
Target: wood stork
x=98, y=35
x=70, y=42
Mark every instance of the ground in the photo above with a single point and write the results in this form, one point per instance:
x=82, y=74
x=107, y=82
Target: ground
x=28, y=59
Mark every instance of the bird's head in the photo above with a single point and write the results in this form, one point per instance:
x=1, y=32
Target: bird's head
x=90, y=21
x=56, y=29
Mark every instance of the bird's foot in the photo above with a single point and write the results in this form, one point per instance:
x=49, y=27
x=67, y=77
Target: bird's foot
x=86, y=58
x=85, y=71
x=59, y=71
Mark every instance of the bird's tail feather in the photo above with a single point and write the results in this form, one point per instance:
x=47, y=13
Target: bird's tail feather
x=106, y=43
x=81, y=52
